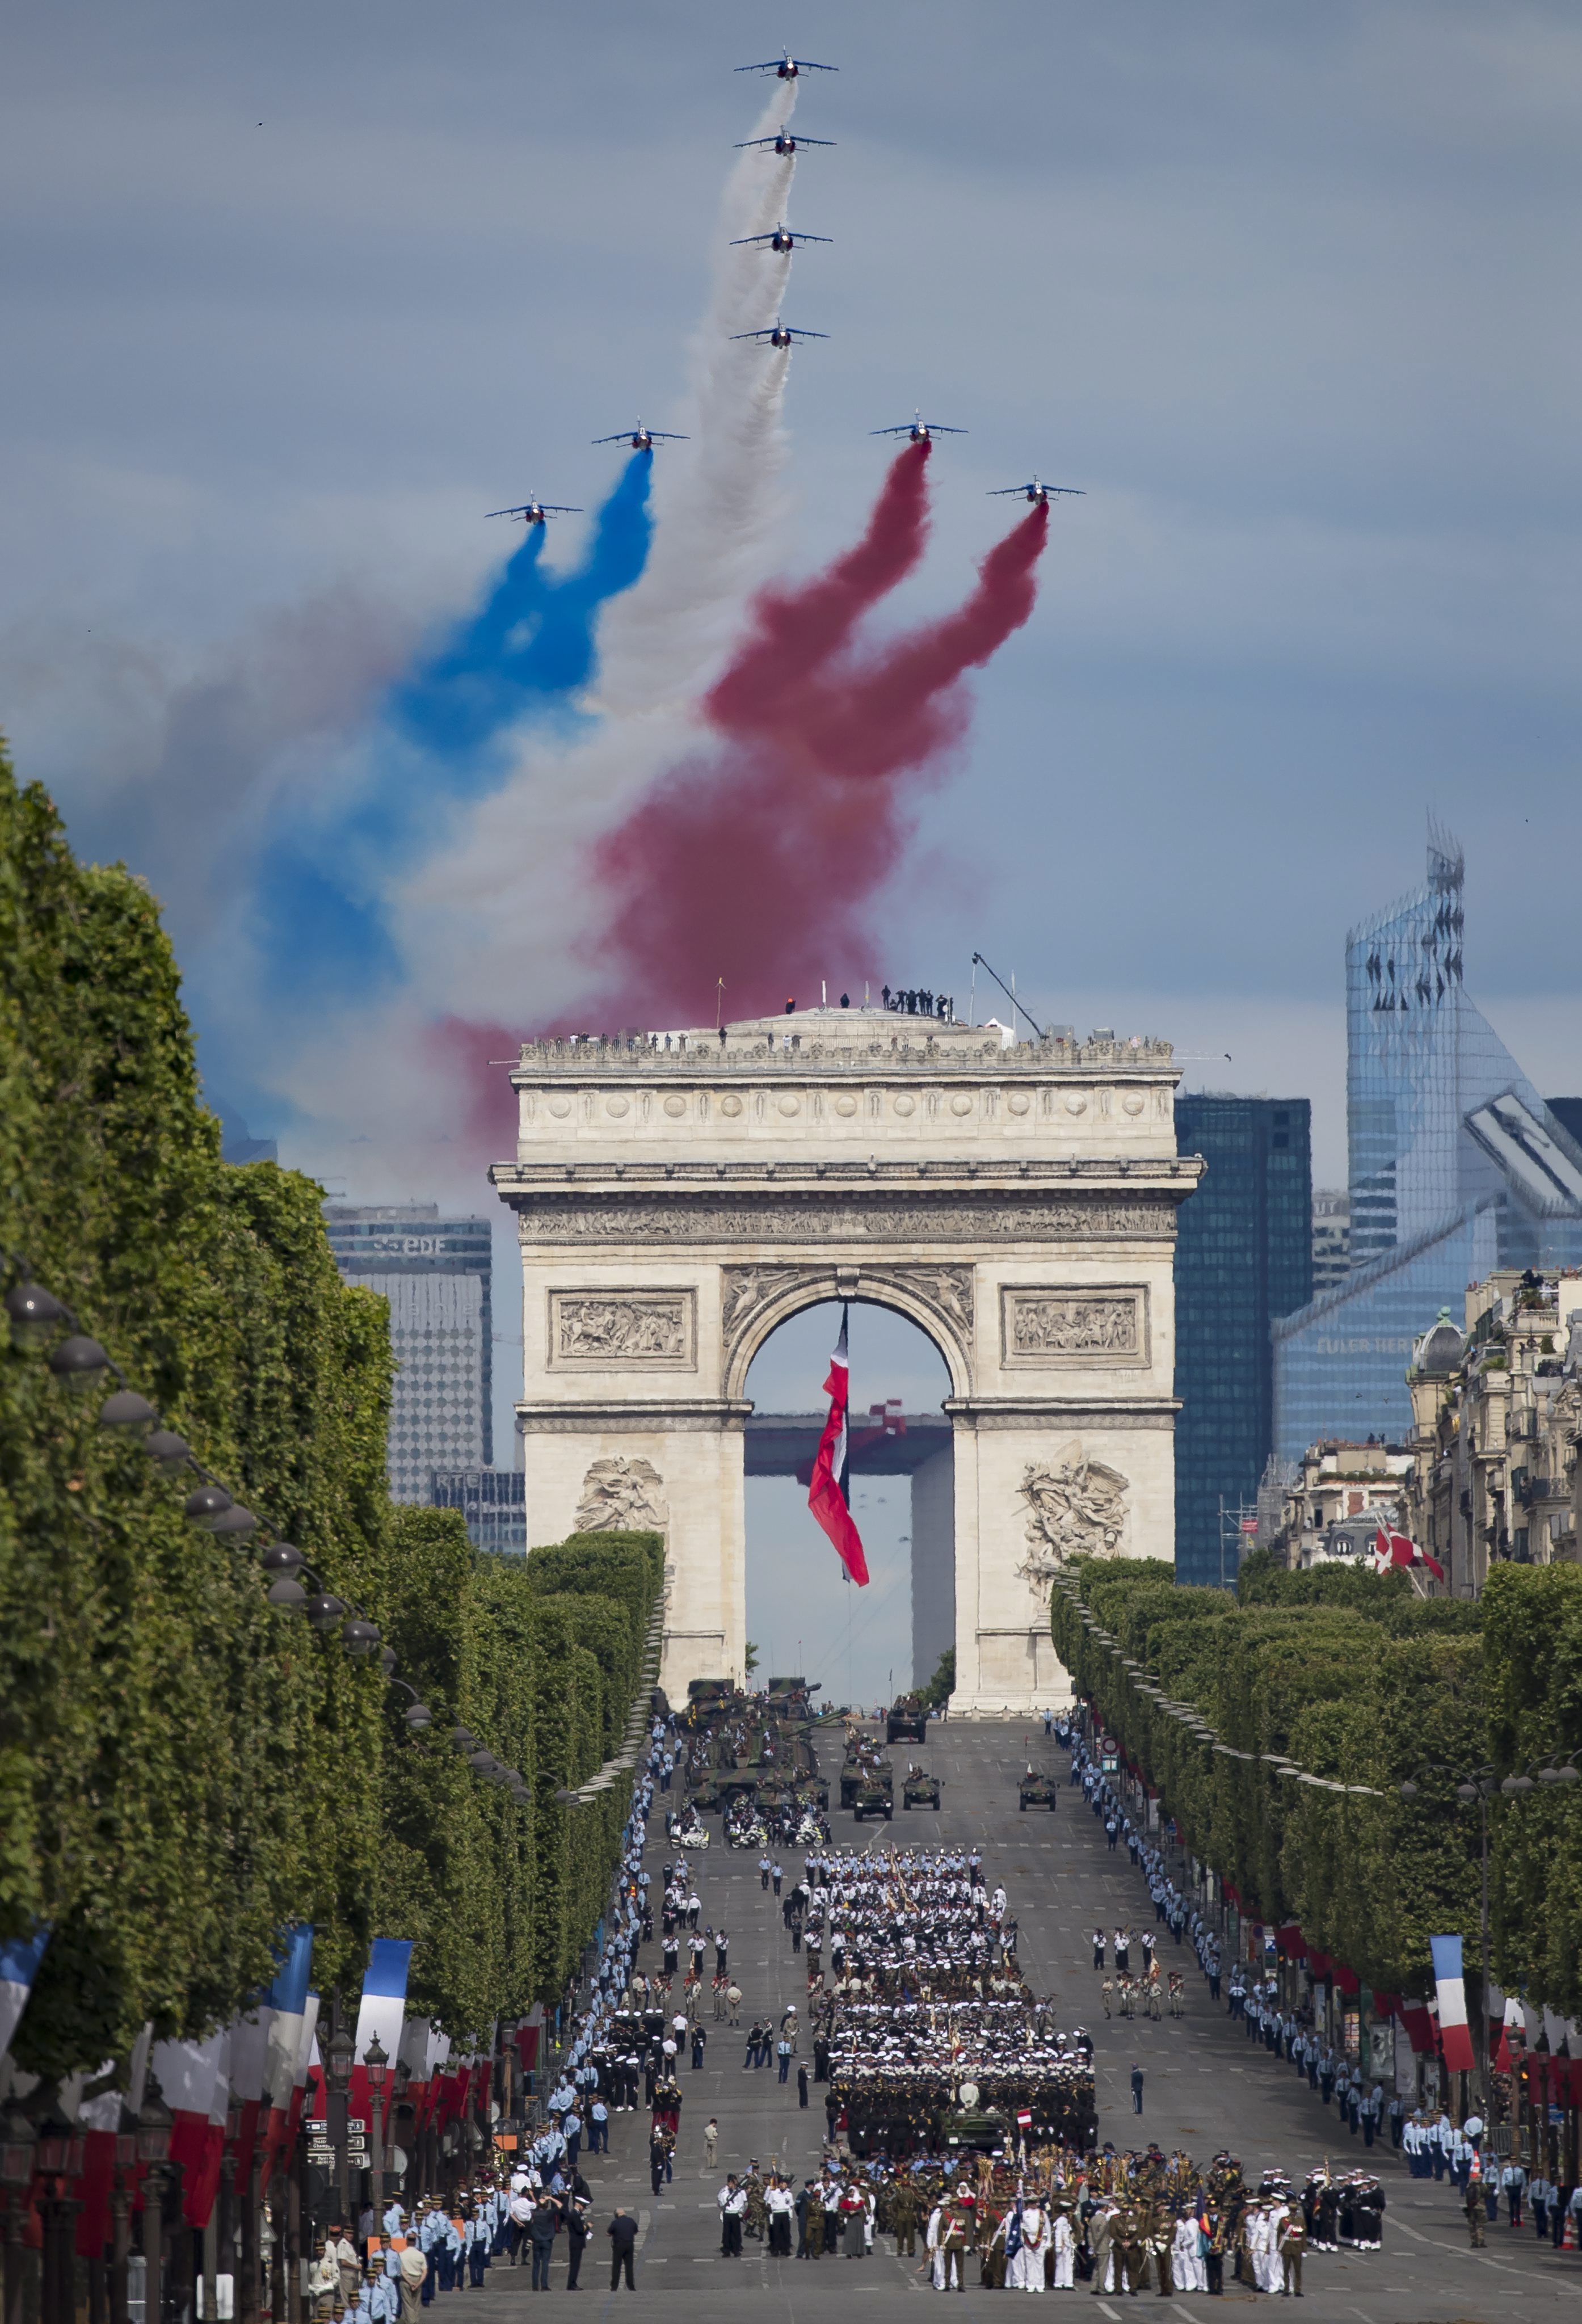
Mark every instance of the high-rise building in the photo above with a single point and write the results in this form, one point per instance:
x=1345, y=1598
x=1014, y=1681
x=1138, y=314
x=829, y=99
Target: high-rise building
x=1457, y=1168
x=1243, y=1256
x=435, y=1272
x=493, y=1503
x=1331, y=1238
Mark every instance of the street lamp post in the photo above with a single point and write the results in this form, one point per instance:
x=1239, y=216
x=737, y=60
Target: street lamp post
x=18, y=2141
x=121, y=2217
x=376, y=2058
x=339, y=2054
x=154, y=2122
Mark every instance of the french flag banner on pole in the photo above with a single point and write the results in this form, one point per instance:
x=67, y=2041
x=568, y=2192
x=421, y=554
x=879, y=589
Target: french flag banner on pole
x=827, y=1495
x=189, y=2072
x=288, y=2006
x=19, y=1965
x=381, y=2012
x=1451, y=1989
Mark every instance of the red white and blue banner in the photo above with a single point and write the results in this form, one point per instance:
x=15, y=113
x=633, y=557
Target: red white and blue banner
x=380, y=2014
x=1451, y=1989
x=828, y=1496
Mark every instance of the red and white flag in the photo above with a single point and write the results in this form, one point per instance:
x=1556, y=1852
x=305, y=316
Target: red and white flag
x=826, y=1495
x=1398, y=1549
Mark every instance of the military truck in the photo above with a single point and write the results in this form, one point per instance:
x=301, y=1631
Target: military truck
x=907, y=1720
x=858, y=1771
x=920, y=1789
x=874, y=1798
x=1036, y=1791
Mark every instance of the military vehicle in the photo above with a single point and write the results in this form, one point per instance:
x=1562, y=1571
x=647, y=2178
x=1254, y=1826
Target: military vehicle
x=907, y=1720
x=856, y=1772
x=705, y=1798
x=1036, y=1791
x=920, y=1789
x=874, y=1798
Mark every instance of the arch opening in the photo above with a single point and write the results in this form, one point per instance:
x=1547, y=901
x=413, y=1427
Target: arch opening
x=864, y=1646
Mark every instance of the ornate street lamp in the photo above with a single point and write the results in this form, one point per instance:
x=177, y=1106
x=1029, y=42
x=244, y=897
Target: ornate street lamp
x=36, y=1315
x=376, y=2058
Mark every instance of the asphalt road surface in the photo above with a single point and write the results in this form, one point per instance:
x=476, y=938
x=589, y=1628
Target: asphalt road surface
x=1205, y=2087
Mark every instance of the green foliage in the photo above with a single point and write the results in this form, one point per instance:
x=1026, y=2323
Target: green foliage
x=1350, y=1676
x=1532, y=1622
x=942, y=1686
x=183, y=1769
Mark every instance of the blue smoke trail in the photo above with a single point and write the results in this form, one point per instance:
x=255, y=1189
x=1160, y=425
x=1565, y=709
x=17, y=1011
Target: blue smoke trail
x=442, y=737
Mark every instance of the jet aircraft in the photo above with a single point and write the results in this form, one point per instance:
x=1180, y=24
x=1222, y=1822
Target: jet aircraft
x=1036, y=492
x=921, y=430
x=785, y=66
x=782, y=239
x=642, y=438
x=782, y=141
x=535, y=512
x=781, y=335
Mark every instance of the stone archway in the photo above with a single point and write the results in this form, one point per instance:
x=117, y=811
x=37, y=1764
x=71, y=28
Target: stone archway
x=679, y=1196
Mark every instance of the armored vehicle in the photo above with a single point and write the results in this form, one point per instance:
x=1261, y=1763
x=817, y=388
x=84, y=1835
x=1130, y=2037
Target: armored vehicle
x=1036, y=1791
x=907, y=1720
x=920, y=1789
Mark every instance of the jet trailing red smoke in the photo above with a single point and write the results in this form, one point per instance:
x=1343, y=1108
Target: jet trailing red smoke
x=757, y=862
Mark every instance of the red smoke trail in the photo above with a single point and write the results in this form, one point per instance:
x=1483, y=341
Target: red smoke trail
x=796, y=631
x=758, y=862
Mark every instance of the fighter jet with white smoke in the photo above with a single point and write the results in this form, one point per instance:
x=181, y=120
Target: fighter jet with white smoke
x=785, y=66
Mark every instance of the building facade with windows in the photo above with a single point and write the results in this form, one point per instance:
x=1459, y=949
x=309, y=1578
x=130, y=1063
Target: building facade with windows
x=435, y=1275
x=1331, y=1238
x=493, y=1503
x=1243, y=1256
x=1457, y=1168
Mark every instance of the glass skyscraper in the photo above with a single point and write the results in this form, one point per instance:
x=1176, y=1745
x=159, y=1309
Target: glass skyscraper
x=1455, y=1166
x=435, y=1274
x=1243, y=1256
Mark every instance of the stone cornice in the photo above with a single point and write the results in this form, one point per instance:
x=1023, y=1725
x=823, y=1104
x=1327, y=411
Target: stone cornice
x=1172, y=1176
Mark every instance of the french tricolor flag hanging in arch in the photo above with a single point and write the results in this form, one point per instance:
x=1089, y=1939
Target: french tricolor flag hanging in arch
x=828, y=1495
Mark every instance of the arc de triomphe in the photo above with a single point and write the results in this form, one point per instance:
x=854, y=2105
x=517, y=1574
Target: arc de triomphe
x=679, y=1198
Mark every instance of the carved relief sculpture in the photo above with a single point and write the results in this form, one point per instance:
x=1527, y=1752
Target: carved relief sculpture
x=621, y=1328
x=1038, y=1324
x=623, y=1497
x=1076, y=1507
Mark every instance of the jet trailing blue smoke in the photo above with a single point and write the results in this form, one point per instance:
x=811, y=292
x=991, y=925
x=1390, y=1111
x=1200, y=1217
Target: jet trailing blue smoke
x=441, y=737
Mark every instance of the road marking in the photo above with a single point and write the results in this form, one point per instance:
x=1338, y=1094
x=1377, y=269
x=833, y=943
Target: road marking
x=1110, y=2311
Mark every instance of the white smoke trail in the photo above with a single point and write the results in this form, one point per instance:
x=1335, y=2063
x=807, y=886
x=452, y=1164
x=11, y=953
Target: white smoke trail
x=719, y=503
x=496, y=919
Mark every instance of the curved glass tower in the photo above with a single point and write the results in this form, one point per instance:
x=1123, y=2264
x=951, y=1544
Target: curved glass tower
x=1455, y=1166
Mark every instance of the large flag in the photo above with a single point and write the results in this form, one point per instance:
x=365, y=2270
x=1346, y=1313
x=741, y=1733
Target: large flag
x=1398, y=1549
x=1455, y=2034
x=381, y=2012
x=826, y=1495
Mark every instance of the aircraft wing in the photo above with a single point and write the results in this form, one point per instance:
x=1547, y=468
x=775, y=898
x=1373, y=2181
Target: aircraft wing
x=740, y=240
x=937, y=428
x=797, y=333
x=516, y=512
x=624, y=436
x=797, y=235
x=666, y=436
x=806, y=64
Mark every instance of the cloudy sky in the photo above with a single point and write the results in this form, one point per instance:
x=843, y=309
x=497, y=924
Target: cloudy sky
x=294, y=295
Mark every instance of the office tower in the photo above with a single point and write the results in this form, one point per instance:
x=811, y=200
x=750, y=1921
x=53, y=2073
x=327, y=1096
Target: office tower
x=1457, y=1168
x=435, y=1272
x=1243, y=1256
x=1331, y=1238
x=493, y=1503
